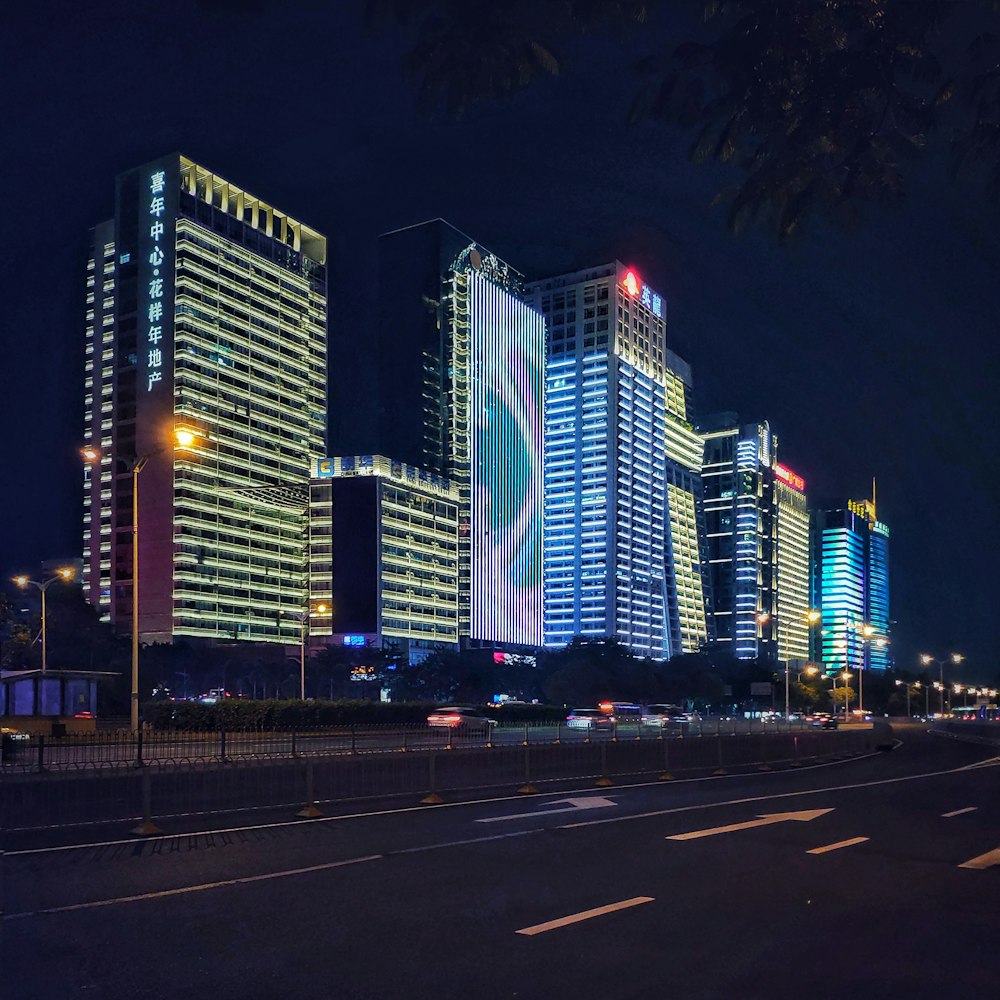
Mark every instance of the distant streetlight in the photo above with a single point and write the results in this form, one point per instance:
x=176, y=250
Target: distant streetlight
x=907, y=685
x=926, y=659
x=845, y=677
x=63, y=575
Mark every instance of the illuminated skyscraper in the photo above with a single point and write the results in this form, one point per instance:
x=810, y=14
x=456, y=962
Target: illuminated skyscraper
x=461, y=360
x=620, y=557
x=851, y=586
x=742, y=534
x=206, y=313
x=792, y=624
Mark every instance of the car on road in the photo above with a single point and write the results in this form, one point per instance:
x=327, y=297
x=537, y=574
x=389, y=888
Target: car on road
x=590, y=719
x=461, y=719
x=659, y=716
x=823, y=720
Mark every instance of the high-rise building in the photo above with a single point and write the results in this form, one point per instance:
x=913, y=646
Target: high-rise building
x=792, y=625
x=742, y=533
x=620, y=557
x=850, y=586
x=461, y=360
x=383, y=545
x=206, y=318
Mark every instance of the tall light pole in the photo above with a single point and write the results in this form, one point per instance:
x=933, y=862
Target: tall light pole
x=926, y=659
x=183, y=440
x=64, y=575
x=845, y=677
x=898, y=683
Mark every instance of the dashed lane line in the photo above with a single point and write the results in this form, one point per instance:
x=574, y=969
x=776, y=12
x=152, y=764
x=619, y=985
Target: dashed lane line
x=838, y=845
x=575, y=918
x=959, y=812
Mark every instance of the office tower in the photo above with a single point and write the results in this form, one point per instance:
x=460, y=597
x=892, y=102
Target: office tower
x=617, y=439
x=461, y=359
x=383, y=544
x=792, y=625
x=850, y=584
x=741, y=533
x=206, y=371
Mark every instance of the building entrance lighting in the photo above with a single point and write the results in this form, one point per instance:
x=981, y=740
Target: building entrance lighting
x=63, y=575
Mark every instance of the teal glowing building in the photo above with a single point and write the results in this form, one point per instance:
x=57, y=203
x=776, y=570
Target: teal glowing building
x=850, y=586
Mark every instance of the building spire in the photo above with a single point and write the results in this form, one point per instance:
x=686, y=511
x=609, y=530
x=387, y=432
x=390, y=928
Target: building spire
x=873, y=498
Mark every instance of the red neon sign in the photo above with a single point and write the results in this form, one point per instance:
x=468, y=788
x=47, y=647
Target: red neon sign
x=796, y=482
x=631, y=283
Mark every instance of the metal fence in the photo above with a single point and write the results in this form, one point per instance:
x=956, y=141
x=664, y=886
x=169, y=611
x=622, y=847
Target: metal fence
x=229, y=773
x=123, y=748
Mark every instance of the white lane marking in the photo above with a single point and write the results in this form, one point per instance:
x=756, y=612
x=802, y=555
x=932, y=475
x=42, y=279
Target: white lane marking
x=575, y=918
x=838, y=845
x=762, y=798
x=245, y=880
x=798, y=817
x=575, y=805
x=959, y=812
x=987, y=860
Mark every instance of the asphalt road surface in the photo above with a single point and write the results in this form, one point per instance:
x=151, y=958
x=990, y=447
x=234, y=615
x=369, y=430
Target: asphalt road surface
x=875, y=877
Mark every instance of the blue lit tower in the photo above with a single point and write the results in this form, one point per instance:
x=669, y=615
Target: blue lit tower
x=850, y=585
x=460, y=385
x=612, y=390
x=741, y=530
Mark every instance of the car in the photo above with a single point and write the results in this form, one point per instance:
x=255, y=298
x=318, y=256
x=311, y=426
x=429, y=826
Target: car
x=460, y=719
x=659, y=716
x=823, y=720
x=589, y=719
x=11, y=741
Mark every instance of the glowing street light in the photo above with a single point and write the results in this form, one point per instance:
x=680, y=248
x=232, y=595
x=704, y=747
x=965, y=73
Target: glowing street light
x=63, y=575
x=926, y=659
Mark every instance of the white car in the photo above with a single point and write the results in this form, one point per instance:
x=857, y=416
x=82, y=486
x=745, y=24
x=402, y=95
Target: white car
x=589, y=719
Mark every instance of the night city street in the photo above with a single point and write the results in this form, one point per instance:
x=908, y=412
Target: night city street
x=867, y=898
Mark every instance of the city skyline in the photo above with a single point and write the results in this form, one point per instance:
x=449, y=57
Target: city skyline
x=808, y=322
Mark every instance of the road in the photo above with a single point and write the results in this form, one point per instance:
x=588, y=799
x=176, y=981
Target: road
x=875, y=877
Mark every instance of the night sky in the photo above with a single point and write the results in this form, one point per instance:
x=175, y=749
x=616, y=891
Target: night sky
x=872, y=352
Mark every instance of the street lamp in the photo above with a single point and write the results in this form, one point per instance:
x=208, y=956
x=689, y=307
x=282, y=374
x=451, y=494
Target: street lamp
x=845, y=677
x=65, y=575
x=184, y=438
x=898, y=683
x=926, y=659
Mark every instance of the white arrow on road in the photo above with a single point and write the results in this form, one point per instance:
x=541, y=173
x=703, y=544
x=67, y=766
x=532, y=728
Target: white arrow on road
x=988, y=860
x=799, y=817
x=590, y=802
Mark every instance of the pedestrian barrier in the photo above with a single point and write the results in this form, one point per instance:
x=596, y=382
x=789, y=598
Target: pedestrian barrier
x=312, y=770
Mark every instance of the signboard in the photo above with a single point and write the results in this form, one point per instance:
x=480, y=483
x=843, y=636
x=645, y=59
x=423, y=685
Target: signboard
x=786, y=475
x=650, y=299
x=761, y=688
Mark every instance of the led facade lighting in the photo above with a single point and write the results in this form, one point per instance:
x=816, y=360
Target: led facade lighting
x=206, y=311
x=622, y=468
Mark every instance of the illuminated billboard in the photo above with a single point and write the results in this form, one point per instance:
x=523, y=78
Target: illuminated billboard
x=506, y=375
x=786, y=475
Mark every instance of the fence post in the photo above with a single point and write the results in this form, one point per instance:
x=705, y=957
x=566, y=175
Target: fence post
x=294, y=750
x=527, y=788
x=795, y=741
x=666, y=776
x=222, y=745
x=354, y=739
x=404, y=741
x=764, y=766
x=604, y=781
x=432, y=798
x=310, y=811
x=41, y=754
x=720, y=769
x=138, y=747
x=146, y=828
x=558, y=738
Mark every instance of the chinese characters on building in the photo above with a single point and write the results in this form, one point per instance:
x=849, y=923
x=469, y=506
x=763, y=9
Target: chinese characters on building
x=154, y=312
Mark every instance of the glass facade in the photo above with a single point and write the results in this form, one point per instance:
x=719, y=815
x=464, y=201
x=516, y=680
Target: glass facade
x=850, y=586
x=621, y=553
x=792, y=624
x=218, y=329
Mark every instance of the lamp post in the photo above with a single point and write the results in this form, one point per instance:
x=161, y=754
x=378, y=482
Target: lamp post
x=926, y=659
x=845, y=677
x=64, y=575
x=906, y=683
x=184, y=438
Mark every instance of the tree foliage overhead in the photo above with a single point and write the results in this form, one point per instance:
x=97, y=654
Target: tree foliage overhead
x=816, y=105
